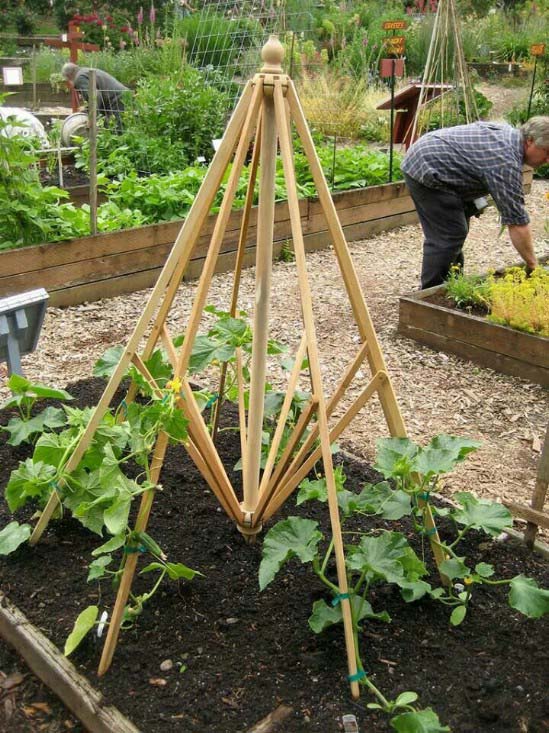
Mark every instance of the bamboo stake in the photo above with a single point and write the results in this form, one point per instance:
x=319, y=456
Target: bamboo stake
x=330, y=407
x=304, y=419
x=171, y=274
x=207, y=449
x=131, y=559
x=283, y=416
x=168, y=345
x=316, y=378
x=241, y=406
x=238, y=267
x=264, y=254
x=295, y=474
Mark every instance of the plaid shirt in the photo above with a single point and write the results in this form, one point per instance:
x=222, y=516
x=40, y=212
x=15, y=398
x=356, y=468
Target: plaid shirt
x=473, y=160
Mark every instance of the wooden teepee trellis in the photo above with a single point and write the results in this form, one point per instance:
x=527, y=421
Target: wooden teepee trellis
x=264, y=114
x=445, y=67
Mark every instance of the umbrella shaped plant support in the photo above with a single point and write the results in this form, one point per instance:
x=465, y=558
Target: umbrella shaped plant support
x=263, y=117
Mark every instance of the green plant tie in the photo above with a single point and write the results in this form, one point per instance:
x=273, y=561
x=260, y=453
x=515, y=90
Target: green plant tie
x=357, y=676
x=165, y=398
x=213, y=399
x=340, y=597
x=130, y=550
x=430, y=532
x=124, y=406
x=424, y=495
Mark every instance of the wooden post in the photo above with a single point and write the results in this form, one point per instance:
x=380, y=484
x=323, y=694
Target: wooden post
x=92, y=124
x=264, y=256
x=540, y=491
x=33, y=77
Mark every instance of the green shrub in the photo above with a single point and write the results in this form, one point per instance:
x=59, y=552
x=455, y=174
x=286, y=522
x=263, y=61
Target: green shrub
x=168, y=123
x=24, y=21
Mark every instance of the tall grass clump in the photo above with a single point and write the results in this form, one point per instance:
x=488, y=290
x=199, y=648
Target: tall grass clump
x=343, y=106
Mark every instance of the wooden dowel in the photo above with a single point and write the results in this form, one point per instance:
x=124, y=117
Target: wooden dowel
x=241, y=406
x=281, y=467
x=131, y=559
x=283, y=415
x=298, y=471
x=167, y=341
x=330, y=407
x=263, y=270
x=316, y=378
x=540, y=493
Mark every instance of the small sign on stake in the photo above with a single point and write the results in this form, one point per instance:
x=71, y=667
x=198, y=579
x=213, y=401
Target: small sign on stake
x=13, y=76
x=537, y=49
x=394, y=25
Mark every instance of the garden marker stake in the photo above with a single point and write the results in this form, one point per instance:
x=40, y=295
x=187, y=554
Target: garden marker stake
x=264, y=117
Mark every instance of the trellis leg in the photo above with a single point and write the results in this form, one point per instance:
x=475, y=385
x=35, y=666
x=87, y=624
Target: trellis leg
x=131, y=560
x=362, y=317
x=316, y=379
x=540, y=491
x=264, y=253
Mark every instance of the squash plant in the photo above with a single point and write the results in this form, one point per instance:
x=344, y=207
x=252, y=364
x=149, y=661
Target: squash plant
x=116, y=467
x=384, y=556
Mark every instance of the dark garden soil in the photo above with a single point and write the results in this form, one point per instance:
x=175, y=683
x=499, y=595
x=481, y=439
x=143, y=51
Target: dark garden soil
x=238, y=654
x=72, y=176
x=440, y=298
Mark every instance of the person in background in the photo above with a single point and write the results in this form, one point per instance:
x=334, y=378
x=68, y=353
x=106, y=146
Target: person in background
x=110, y=91
x=448, y=172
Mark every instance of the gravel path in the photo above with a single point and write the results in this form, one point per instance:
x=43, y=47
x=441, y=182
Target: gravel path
x=436, y=392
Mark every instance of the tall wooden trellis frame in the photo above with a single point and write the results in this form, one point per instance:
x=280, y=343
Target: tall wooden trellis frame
x=264, y=114
x=445, y=65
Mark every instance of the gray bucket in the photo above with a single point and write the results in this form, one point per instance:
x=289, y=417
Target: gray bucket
x=75, y=124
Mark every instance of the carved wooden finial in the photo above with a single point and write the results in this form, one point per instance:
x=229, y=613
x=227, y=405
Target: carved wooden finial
x=272, y=54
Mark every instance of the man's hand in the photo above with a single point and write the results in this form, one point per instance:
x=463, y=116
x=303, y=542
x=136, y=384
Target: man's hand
x=521, y=237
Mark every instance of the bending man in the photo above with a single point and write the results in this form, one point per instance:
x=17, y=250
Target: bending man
x=109, y=91
x=448, y=170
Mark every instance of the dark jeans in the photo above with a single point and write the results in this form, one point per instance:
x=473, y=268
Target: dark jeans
x=444, y=218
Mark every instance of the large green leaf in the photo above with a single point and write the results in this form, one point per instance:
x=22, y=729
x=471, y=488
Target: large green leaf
x=394, y=456
x=97, y=567
x=483, y=514
x=114, y=543
x=13, y=535
x=30, y=479
x=116, y=516
x=527, y=597
x=83, y=624
x=105, y=366
x=51, y=447
x=454, y=568
x=422, y=721
x=206, y=350
x=382, y=499
x=21, y=430
x=380, y=556
x=325, y=615
x=293, y=537
x=20, y=385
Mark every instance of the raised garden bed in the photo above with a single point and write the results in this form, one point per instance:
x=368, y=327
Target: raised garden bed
x=42, y=94
x=238, y=654
x=428, y=317
x=110, y=264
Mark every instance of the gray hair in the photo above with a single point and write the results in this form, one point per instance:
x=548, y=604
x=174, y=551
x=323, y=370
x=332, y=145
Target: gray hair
x=537, y=130
x=70, y=70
